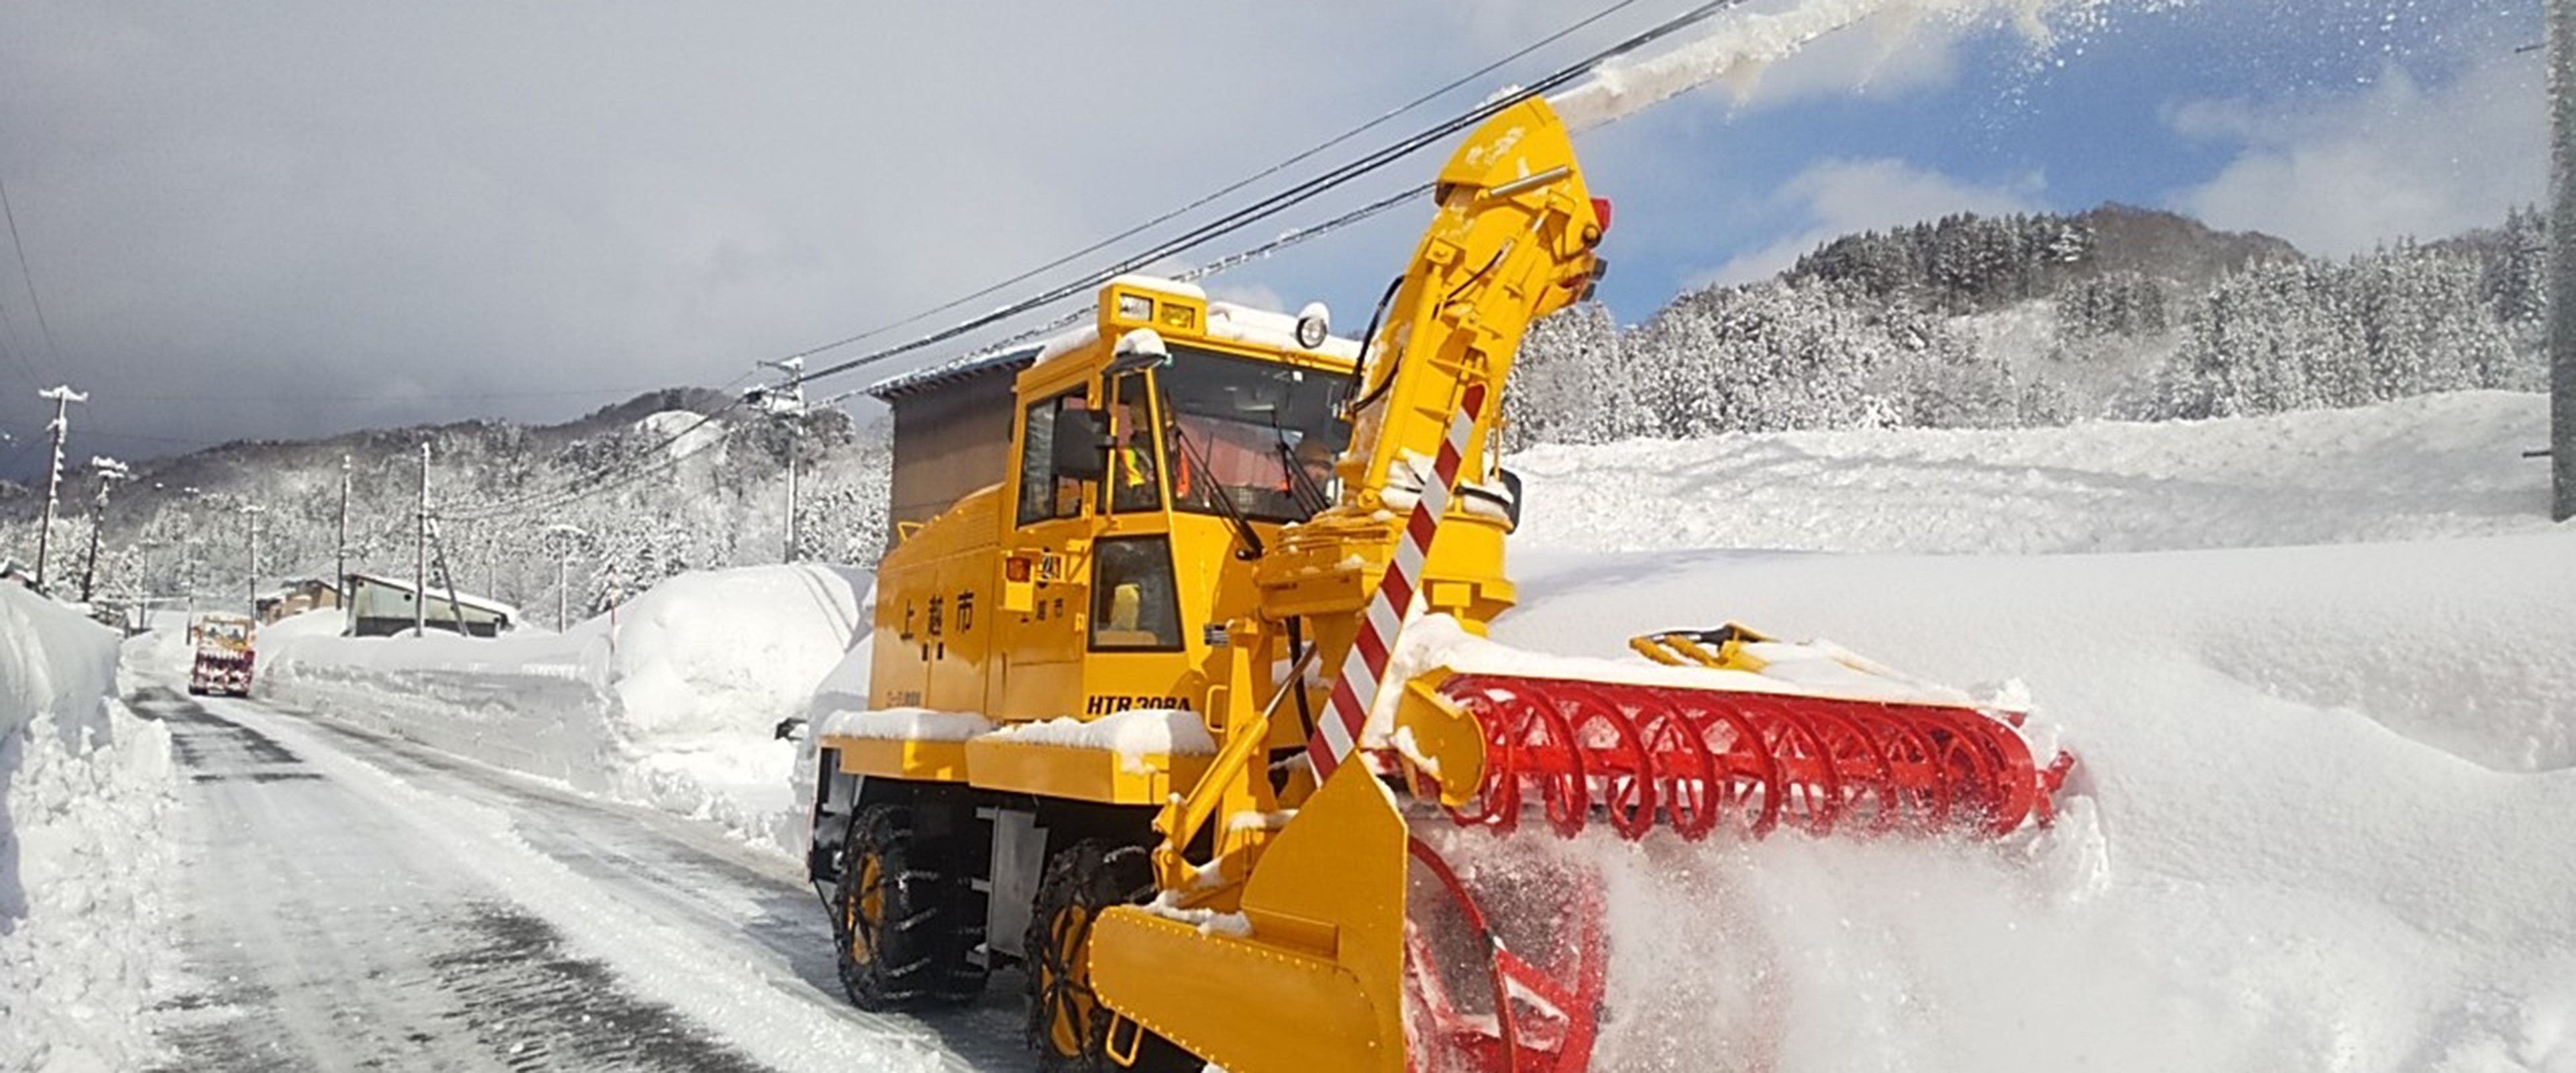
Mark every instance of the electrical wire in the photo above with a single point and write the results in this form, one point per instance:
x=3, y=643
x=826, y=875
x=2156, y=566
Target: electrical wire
x=1453, y=85
x=582, y=487
x=1272, y=205
x=658, y=458
x=667, y=462
x=1282, y=200
x=645, y=457
x=29, y=278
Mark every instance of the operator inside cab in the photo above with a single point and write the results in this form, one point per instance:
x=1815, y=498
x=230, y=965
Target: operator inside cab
x=1261, y=435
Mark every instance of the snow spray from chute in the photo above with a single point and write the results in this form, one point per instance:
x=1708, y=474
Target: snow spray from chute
x=1738, y=49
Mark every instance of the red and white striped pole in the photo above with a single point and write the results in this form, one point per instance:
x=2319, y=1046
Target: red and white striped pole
x=1356, y=690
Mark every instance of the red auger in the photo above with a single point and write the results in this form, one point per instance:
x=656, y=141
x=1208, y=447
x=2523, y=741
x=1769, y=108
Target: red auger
x=1701, y=757
x=1690, y=760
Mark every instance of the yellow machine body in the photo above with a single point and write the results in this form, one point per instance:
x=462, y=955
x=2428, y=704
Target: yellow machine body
x=1014, y=605
x=1277, y=944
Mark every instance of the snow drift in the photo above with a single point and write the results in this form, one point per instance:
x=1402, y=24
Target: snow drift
x=673, y=706
x=83, y=785
x=2319, y=822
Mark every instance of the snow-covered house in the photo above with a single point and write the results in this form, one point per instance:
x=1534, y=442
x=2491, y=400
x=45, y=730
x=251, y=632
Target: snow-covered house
x=296, y=596
x=381, y=606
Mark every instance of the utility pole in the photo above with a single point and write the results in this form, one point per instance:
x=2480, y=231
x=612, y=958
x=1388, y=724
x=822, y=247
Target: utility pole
x=420, y=553
x=563, y=561
x=340, y=580
x=254, y=510
x=188, y=538
x=788, y=402
x=62, y=397
x=108, y=471
x=2562, y=258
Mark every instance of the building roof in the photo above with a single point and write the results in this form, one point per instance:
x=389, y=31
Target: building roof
x=438, y=595
x=1010, y=360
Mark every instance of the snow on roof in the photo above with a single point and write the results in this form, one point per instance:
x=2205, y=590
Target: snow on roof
x=438, y=595
x=1226, y=320
x=1263, y=327
x=953, y=370
x=1061, y=345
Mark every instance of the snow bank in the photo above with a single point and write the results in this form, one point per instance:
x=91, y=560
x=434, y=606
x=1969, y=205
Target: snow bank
x=2259, y=873
x=2437, y=466
x=83, y=787
x=2319, y=821
x=676, y=710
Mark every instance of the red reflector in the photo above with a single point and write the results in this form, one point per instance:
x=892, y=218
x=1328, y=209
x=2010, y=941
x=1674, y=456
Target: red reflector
x=1016, y=569
x=1601, y=209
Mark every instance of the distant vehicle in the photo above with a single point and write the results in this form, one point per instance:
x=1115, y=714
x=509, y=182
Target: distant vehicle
x=223, y=662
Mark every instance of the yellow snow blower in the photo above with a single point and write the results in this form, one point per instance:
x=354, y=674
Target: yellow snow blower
x=1148, y=718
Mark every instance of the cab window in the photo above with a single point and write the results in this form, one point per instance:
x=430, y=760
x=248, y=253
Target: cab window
x=1134, y=607
x=1043, y=494
x=1260, y=436
x=1135, y=481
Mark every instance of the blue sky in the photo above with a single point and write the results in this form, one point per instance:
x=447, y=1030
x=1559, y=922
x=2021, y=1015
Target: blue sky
x=296, y=218
x=2338, y=125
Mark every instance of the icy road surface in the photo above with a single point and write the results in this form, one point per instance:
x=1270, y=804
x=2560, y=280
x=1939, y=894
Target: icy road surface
x=358, y=902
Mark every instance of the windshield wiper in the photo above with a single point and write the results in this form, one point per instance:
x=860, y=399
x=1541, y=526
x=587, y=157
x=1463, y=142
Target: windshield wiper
x=1309, y=495
x=1225, y=504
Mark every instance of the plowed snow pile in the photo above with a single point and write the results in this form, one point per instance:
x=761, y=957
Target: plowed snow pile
x=83, y=788
x=674, y=706
x=2321, y=821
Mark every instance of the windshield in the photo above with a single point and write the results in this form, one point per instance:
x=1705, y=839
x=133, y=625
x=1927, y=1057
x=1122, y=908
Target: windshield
x=1265, y=433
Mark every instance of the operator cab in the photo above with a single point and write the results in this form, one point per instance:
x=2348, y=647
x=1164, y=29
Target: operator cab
x=1158, y=453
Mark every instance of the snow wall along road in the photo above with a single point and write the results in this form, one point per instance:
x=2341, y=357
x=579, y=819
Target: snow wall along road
x=674, y=707
x=83, y=786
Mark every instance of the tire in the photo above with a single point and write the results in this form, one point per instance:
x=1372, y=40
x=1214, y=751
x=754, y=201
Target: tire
x=1068, y=1027
x=904, y=917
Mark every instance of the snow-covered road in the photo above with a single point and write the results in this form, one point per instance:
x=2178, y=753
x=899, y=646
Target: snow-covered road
x=351, y=901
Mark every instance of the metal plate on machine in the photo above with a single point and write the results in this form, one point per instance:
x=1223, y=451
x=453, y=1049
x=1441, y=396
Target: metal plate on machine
x=1019, y=856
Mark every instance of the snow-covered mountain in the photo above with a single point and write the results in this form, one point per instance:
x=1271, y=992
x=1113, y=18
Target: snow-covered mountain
x=2024, y=320
x=628, y=495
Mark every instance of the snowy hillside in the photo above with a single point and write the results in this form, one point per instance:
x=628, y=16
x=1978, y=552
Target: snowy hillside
x=2025, y=320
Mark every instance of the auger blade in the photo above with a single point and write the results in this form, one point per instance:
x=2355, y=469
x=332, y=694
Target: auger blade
x=1692, y=760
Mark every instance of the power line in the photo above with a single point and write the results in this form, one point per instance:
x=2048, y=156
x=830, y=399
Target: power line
x=602, y=481
x=657, y=457
x=565, y=497
x=29, y=278
x=1310, y=153
x=1282, y=200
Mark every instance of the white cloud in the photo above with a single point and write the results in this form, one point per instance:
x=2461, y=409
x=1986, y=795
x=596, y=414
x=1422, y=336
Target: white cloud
x=1838, y=197
x=2339, y=176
